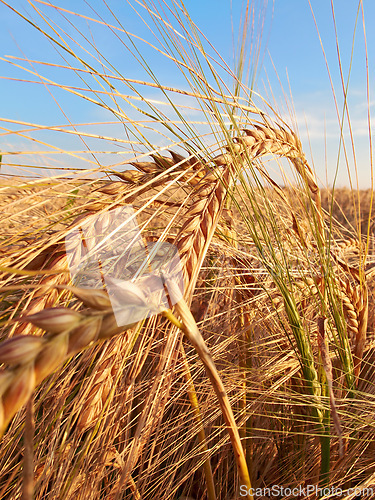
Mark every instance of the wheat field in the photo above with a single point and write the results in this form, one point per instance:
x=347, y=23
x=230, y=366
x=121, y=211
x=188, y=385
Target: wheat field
x=181, y=323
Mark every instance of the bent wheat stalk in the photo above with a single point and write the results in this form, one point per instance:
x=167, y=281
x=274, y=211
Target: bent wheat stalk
x=190, y=329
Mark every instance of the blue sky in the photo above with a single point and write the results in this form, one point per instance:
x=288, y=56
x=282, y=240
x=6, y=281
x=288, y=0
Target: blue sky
x=291, y=57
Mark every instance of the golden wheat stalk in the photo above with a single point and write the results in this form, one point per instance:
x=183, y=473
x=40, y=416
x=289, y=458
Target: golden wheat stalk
x=190, y=329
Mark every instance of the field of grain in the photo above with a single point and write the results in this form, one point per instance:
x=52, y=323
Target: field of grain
x=185, y=326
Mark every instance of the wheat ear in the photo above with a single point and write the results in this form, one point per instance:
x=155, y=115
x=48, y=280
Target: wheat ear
x=32, y=358
x=355, y=305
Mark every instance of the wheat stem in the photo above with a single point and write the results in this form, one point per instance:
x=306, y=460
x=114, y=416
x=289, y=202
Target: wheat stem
x=190, y=329
x=28, y=460
x=211, y=494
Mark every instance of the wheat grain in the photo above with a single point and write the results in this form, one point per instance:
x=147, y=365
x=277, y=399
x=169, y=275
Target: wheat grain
x=20, y=350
